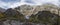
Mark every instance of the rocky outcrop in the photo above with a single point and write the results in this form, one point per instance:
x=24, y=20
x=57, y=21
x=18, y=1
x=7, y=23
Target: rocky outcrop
x=14, y=22
x=29, y=10
x=32, y=15
x=11, y=22
x=11, y=12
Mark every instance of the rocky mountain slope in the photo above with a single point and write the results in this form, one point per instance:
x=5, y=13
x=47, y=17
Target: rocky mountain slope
x=46, y=14
x=28, y=10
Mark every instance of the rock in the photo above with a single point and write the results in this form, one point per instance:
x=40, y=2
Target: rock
x=11, y=22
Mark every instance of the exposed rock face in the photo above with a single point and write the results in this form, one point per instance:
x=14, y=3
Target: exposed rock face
x=28, y=10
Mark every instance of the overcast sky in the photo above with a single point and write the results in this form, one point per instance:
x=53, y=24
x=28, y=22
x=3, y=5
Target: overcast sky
x=14, y=3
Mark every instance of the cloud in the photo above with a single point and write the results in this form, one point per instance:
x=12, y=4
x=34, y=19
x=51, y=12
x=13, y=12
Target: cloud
x=29, y=1
x=6, y=5
x=11, y=1
x=11, y=4
x=46, y=1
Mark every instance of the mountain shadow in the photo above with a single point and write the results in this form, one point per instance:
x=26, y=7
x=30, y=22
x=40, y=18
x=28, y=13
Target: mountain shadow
x=12, y=14
x=45, y=17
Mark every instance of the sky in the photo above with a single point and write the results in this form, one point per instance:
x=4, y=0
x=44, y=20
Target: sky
x=14, y=3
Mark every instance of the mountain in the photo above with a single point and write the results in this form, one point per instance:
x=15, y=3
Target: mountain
x=25, y=9
x=35, y=15
x=13, y=14
x=45, y=17
x=29, y=10
x=2, y=10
